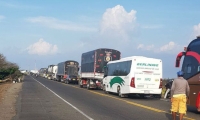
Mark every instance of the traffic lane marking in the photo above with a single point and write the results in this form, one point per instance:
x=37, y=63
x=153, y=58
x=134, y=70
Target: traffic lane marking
x=128, y=102
x=64, y=100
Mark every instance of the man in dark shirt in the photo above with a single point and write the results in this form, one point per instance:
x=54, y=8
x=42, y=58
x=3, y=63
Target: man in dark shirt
x=168, y=87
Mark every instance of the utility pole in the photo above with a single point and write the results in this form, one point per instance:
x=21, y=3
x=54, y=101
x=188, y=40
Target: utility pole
x=35, y=66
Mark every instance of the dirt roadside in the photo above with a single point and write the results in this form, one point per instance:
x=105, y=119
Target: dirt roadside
x=8, y=96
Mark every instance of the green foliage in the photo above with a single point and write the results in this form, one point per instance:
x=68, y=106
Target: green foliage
x=4, y=72
x=7, y=68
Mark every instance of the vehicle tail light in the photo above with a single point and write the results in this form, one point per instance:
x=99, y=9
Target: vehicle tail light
x=160, y=86
x=65, y=76
x=198, y=101
x=84, y=82
x=132, y=82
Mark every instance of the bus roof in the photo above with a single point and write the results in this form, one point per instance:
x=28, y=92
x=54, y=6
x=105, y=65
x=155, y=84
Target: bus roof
x=131, y=58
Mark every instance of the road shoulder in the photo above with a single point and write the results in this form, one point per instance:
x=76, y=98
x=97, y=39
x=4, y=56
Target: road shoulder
x=35, y=102
x=9, y=93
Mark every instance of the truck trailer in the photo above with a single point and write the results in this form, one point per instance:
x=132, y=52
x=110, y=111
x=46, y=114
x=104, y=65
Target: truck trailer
x=92, y=66
x=68, y=72
x=42, y=72
x=50, y=72
x=55, y=69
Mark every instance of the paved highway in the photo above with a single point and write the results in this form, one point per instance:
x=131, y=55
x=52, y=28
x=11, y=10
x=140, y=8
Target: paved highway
x=42, y=99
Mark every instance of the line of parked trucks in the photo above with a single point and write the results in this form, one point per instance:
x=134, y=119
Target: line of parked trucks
x=105, y=69
x=92, y=68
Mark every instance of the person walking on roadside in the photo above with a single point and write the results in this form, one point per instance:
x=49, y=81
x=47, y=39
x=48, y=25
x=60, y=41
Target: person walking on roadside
x=179, y=95
x=168, y=88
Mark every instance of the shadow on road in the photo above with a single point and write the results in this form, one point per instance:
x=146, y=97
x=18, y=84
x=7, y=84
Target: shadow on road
x=169, y=116
x=193, y=110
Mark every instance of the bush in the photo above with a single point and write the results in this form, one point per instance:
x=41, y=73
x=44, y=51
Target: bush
x=8, y=69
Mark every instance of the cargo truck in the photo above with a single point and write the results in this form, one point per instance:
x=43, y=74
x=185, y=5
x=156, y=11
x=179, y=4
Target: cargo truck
x=42, y=72
x=55, y=69
x=92, y=66
x=50, y=72
x=68, y=72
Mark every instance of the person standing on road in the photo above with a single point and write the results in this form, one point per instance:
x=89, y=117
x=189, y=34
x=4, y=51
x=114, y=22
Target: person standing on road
x=179, y=96
x=168, y=87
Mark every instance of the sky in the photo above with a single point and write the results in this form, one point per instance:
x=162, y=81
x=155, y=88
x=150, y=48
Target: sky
x=35, y=34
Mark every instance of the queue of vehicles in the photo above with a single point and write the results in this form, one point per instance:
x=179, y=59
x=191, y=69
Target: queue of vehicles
x=105, y=69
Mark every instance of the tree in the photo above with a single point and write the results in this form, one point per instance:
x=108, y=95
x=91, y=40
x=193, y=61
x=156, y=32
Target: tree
x=2, y=61
x=7, y=68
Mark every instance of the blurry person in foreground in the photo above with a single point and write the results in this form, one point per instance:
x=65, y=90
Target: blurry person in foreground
x=179, y=96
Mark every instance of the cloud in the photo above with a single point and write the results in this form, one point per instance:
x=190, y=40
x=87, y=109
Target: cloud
x=118, y=22
x=54, y=23
x=170, y=47
x=42, y=48
x=196, y=30
x=17, y=5
x=117, y=18
x=152, y=26
x=145, y=47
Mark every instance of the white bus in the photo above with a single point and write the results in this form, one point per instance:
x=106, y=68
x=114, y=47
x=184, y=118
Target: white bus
x=134, y=75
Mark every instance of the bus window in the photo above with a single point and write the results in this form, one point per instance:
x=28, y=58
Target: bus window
x=185, y=69
x=189, y=69
x=198, y=68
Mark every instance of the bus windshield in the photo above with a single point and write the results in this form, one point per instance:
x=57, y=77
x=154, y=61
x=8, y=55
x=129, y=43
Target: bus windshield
x=191, y=69
x=191, y=62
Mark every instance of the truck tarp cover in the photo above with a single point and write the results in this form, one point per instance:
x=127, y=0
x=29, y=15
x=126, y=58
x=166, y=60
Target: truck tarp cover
x=50, y=68
x=61, y=68
x=68, y=68
x=99, y=56
x=71, y=68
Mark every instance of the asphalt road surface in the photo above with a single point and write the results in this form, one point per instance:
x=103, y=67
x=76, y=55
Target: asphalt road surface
x=42, y=99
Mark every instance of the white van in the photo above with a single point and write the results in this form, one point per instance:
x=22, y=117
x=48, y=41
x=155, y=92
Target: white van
x=134, y=75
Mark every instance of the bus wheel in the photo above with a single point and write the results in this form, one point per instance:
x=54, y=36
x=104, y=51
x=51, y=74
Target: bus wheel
x=142, y=95
x=104, y=89
x=119, y=92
